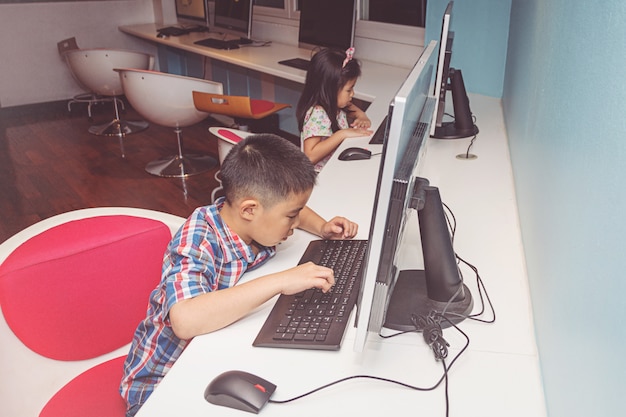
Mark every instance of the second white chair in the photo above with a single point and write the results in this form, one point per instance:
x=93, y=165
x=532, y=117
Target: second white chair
x=94, y=68
x=166, y=100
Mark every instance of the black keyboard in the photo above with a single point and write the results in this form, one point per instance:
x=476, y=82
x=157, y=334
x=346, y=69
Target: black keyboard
x=179, y=31
x=218, y=43
x=298, y=63
x=379, y=136
x=313, y=319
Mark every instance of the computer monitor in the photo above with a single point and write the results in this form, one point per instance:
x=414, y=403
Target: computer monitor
x=326, y=24
x=389, y=296
x=192, y=13
x=450, y=79
x=234, y=17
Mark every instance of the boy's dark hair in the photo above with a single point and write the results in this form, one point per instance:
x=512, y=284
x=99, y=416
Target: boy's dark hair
x=325, y=76
x=266, y=167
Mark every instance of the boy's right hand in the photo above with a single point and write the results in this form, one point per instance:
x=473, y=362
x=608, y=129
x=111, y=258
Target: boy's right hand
x=305, y=276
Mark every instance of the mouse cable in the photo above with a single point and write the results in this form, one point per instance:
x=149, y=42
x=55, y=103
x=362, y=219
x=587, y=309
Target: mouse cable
x=430, y=327
x=443, y=378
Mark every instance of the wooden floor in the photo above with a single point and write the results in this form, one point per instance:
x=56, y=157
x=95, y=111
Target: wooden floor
x=50, y=164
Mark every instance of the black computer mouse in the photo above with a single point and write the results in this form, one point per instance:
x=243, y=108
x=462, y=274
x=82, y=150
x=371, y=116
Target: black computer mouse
x=354, y=154
x=240, y=390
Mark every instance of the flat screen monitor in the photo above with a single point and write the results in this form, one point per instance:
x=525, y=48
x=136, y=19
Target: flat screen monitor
x=326, y=24
x=450, y=79
x=389, y=295
x=192, y=13
x=234, y=17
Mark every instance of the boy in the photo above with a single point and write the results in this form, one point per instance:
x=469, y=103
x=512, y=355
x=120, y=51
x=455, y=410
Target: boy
x=267, y=182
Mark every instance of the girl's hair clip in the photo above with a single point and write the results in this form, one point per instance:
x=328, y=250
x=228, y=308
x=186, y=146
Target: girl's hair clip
x=349, y=55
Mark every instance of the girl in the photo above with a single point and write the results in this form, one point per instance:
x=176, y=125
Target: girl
x=324, y=104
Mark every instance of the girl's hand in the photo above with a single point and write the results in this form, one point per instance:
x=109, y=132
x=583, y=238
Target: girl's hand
x=356, y=132
x=339, y=228
x=361, y=121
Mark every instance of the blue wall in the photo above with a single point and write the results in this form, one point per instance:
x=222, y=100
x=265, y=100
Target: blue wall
x=481, y=29
x=564, y=101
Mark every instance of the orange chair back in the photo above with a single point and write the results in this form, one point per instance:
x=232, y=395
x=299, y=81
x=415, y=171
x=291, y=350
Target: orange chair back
x=236, y=106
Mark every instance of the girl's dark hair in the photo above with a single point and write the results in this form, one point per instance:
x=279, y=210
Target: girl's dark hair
x=325, y=77
x=266, y=167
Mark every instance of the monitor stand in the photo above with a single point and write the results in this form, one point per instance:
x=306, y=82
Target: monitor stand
x=438, y=288
x=463, y=125
x=410, y=296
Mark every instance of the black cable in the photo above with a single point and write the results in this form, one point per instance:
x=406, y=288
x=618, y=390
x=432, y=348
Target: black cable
x=443, y=378
x=467, y=152
x=482, y=290
x=446, y=390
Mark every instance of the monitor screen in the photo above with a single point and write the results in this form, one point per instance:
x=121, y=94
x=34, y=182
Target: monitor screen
x=192, y=12
x=400, y=194
x=320, y=28
x=234, y=17
x=450, y=79
x=443, y=68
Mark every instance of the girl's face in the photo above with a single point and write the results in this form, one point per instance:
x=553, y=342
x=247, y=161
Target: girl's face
x=344, y=97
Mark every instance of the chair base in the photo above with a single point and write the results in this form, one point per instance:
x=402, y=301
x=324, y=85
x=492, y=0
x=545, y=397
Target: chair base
x=119, y=128
x=177, y=167
x=91, y=99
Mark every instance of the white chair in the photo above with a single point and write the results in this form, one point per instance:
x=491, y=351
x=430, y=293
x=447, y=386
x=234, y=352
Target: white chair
x=94, y=68
x=226, y=139
x=73, y=288
x=90, y=98
x=166, y=100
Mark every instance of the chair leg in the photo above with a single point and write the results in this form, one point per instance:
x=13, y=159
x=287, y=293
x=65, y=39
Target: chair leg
x=181, y=165
x=119, y=128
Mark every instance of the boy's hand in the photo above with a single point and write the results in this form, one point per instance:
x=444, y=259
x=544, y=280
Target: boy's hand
x=305, y=276
x=339, y=228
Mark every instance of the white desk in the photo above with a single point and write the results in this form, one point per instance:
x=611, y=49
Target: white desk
x=377, y=85
x=499, y=373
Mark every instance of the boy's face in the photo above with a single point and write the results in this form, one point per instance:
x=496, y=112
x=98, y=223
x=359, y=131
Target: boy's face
x=272, y=225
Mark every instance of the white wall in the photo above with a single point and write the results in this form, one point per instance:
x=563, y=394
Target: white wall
x=31, y=70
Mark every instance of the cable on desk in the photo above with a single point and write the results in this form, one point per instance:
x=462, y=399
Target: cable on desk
x=482, y=290
x=433, y=335
x=403, y=384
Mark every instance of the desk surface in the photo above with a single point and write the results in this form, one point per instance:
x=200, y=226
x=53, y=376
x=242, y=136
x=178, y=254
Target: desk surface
x=497, y=375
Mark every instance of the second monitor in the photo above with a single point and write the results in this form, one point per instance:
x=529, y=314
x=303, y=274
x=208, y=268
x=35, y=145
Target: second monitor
x=232, y=19
x=320, y=29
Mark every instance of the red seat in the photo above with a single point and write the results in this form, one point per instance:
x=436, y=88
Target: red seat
x=73, y=289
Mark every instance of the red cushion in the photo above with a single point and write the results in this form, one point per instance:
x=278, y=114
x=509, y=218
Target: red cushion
x=260, y=106
x=93, y=393
x=229, y=134
x=78, y=290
